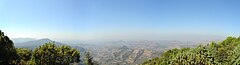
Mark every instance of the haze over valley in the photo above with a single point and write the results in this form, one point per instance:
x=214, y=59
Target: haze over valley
x=113, y=52
x=119, y=32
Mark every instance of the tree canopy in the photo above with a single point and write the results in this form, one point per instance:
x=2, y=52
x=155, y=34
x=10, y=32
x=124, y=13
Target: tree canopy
x=226, y=52
x=50, y=54
x=47, y=54
x=24, y=54
x=89, y=59
x=8, y=53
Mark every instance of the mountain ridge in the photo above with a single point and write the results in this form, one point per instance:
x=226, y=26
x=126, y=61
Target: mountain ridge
x=34, y=43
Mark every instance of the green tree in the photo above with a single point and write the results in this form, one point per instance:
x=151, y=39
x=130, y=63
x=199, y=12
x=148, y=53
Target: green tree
x=89, y=59
x=8, y=54
x=222, y=53
x=25, y=55
x=50, y=54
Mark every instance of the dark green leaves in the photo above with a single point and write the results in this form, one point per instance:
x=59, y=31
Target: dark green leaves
x=8, y=54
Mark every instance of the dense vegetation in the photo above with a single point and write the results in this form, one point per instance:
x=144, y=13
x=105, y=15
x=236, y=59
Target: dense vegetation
x=8, y=53
x=47, y=54
x=89, y=59
x=226, y=52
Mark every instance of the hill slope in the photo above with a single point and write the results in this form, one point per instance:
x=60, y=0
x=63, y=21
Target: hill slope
x=21, y=40
x=34, y=43
x=226, y=52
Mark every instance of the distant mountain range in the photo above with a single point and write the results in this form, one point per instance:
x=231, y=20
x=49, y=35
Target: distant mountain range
x=21, y=40
x=32, y=43
x=123, y=55
x=122, y=52
x=129, y=52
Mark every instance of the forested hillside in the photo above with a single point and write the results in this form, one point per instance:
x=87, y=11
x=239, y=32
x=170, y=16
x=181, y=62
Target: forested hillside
x=226, y=52
x=47, y=54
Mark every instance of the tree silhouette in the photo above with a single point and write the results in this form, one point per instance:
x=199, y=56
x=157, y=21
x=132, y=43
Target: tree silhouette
x=8, y=54
x=89, y=59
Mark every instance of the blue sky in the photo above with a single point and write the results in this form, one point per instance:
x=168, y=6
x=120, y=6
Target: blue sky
x=120, y=19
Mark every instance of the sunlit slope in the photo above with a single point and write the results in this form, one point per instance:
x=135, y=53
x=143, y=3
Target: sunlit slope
x=226, y=52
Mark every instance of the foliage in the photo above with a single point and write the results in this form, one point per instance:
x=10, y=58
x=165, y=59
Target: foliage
x=50, y=54
x=24, y=54
x=8, y=53
x=47, y=54
x=89, y=59
x=226, y=52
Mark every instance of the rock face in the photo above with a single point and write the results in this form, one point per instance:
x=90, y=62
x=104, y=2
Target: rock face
x=130, y=52
x=124, y=56
x=118, y=52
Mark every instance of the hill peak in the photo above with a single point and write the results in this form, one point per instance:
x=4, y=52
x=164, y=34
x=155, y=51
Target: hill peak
x=45, y=39
x=124, y=47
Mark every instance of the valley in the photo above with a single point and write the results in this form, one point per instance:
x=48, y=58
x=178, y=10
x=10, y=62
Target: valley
x=117, y=52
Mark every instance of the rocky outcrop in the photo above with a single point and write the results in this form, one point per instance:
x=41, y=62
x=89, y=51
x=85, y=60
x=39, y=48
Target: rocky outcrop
x=125, y=56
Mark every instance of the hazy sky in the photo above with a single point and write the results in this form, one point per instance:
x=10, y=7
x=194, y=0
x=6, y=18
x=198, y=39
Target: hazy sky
x=118, y=19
